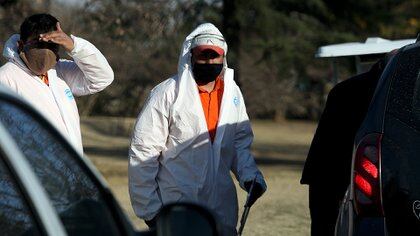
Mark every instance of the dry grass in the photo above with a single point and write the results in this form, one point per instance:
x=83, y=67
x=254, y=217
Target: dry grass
x=280, y=151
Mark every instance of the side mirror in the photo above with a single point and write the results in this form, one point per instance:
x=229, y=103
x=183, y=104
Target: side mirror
x=186, y=219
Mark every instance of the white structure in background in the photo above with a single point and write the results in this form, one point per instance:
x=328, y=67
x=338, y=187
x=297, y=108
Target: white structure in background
x=365, y=53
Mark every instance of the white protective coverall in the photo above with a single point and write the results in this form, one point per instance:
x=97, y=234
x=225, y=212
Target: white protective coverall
x=172, y=158
x=87, y=74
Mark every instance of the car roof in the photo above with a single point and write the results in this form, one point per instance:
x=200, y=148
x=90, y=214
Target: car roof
x=373, y=45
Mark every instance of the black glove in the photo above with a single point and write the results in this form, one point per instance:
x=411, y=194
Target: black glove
x=151, y=223
x=257, y=191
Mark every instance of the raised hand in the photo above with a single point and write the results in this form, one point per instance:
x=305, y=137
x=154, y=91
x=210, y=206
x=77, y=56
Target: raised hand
x=58, y=37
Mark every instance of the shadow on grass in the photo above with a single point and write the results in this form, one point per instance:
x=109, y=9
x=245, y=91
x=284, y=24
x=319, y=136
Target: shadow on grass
x=297, y=151
x=271, y=161
x=113, y=152
x=279, y=155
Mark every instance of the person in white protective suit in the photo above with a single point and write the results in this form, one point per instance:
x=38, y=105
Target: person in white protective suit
x=185, y=144
x=35, y=72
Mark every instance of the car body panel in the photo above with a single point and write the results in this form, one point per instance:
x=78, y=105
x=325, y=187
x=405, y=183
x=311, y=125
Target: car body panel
x=400, y=157
x=393, y=114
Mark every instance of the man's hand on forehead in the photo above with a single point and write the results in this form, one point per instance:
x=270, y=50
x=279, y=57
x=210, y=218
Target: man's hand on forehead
x=58, y=37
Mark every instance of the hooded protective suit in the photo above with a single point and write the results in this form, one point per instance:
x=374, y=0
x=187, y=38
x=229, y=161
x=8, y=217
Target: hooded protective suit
x=87, y=74
x=172, y=158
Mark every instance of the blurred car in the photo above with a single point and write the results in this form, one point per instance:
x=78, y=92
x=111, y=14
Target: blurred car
x=46, y=188
x=384, y=194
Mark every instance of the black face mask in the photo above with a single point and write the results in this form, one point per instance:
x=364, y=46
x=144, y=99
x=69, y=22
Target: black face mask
x=205, y=73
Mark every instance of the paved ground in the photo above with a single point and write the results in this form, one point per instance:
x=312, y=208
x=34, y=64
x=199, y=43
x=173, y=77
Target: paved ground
x=280, y=151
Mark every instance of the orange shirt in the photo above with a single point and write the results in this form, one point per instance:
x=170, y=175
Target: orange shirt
x=211, y=102
x=44, y=79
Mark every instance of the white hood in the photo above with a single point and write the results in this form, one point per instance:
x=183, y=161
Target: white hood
x=10, y=52
x=185, y=55
x=185, y=80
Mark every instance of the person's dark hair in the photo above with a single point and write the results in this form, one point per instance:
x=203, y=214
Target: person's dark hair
x=37, y=24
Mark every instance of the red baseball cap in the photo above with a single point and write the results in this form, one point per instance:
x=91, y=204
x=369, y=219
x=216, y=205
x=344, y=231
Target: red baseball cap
x=201, y=48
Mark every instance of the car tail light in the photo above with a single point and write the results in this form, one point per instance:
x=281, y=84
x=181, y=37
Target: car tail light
x=367, y=177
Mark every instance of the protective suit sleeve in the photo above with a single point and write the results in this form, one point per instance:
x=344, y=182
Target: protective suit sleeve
x=148, y=140
x=244, y=166
x=89, y=73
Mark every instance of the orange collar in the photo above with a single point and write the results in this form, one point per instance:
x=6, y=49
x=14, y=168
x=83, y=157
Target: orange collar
x=217, y=86
x=44, y=78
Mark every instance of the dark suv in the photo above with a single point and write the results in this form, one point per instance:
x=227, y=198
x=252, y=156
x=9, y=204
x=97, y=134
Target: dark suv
x=384, y=195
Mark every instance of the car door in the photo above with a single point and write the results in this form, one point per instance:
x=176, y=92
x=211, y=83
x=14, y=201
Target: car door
x=25, y=208
x=76, y=190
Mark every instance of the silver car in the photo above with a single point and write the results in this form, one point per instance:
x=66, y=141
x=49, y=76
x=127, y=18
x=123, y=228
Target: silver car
x=46, y=188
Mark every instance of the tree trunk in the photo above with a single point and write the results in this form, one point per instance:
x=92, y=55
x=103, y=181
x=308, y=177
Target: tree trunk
x=231, y=32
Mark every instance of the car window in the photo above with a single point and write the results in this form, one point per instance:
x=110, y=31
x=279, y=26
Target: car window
x=403, y=100
x=73, y=192
x=416, y=101
x=15, y=216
